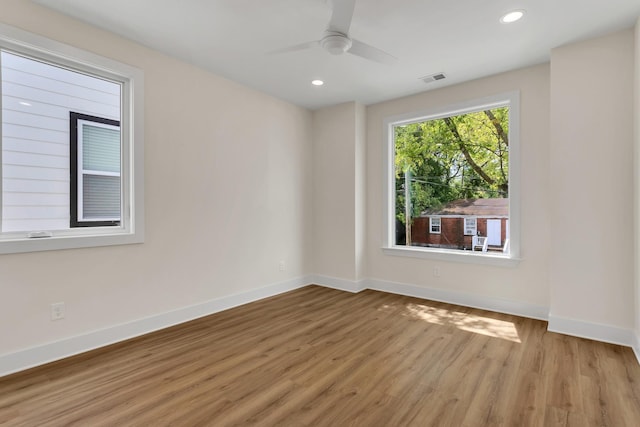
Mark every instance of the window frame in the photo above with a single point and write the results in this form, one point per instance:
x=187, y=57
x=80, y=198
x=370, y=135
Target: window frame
x=77, y=170
x=389, y=247
x=131, y=228
x=475, y=225
x=432, y=225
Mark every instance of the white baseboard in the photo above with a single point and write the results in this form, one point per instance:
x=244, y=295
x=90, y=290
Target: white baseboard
x=340, y=284
x=592, y=331
x=462, y=298
x=39, y=355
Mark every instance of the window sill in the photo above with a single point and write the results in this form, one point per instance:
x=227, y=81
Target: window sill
x=14, y=246
x=467, y=257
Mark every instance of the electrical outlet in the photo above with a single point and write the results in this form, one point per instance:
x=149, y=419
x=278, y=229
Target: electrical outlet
x=436, y=271
x=57, y=311
x=282, y=266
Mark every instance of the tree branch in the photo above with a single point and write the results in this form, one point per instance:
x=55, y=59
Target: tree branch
x=496, y=124
x=465, y=152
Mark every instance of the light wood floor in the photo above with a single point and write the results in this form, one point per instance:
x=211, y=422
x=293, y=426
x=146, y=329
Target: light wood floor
x=321, y=357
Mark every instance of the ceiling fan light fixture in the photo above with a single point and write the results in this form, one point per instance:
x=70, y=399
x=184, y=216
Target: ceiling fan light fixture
x=512, y=16
x=336, y=40
x=335, y=43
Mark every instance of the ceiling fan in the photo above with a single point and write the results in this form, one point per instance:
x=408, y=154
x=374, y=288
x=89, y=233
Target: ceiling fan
x=336, y=40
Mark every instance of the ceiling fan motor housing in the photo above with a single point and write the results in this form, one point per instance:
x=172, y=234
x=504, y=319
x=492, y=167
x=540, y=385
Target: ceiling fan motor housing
x=335, y=43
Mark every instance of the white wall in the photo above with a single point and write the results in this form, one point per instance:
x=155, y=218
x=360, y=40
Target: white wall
x=527, y=283
x=636, y=180
x=361, y=191
x=227, y=194
x=591, y=190
x=338, y=208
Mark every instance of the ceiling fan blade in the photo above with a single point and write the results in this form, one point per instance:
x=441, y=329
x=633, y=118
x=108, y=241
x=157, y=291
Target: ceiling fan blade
x=295, y=48
x=341, y=14
x=372, y=53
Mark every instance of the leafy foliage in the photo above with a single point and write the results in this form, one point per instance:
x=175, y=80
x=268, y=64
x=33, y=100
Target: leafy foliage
x=458, y=157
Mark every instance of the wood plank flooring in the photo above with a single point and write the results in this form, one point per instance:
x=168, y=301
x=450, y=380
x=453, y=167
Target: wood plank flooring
x=321, y=357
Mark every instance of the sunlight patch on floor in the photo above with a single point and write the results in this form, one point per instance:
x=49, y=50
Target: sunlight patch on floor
x=466, y=322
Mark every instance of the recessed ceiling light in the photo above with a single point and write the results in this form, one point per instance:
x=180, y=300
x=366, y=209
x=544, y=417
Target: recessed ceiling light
x=317, y=82
x=512, y=16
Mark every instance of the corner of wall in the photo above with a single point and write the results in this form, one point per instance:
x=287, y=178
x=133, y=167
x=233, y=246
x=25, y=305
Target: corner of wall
x=593, y=331
x=360, y=190
x=353, y=286
x=610, y=305
x=636, y=189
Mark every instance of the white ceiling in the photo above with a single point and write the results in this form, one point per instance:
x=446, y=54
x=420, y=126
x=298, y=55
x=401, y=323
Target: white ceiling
x=461, y=38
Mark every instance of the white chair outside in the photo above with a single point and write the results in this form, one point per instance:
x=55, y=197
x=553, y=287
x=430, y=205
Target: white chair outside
x=479, y=243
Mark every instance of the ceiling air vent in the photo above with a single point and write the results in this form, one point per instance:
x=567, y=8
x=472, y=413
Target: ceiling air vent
x=433, y=77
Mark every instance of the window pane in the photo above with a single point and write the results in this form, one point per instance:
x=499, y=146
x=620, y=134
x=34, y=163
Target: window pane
x=449, y=172
x=101, y=197
x=37, y=98
x=101, y=148
x=470, y=226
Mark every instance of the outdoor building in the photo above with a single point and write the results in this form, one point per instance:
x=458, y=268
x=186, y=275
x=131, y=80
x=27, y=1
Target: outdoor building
x=454, y=225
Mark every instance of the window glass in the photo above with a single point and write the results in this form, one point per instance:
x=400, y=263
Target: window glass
x=95, y=172
x=470, y=226
x=451, y=179
x=435, y=225
x=37, y=99
x=100, y=148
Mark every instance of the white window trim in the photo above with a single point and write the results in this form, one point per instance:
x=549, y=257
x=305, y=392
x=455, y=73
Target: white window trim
x=132, y=128
x=431, y=224
x=512, y=99
x=475, y=225
x=82, y=171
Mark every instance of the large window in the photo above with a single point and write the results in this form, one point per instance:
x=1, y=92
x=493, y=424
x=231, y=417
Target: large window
x=72, y=147
x=452, y=178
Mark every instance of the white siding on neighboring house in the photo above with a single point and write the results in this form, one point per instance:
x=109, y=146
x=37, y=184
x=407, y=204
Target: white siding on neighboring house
x=36, y=101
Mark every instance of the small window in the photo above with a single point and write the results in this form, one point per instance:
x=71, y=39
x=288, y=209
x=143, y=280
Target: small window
x=435, y=224
x=470, y=226
x=95, y=171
